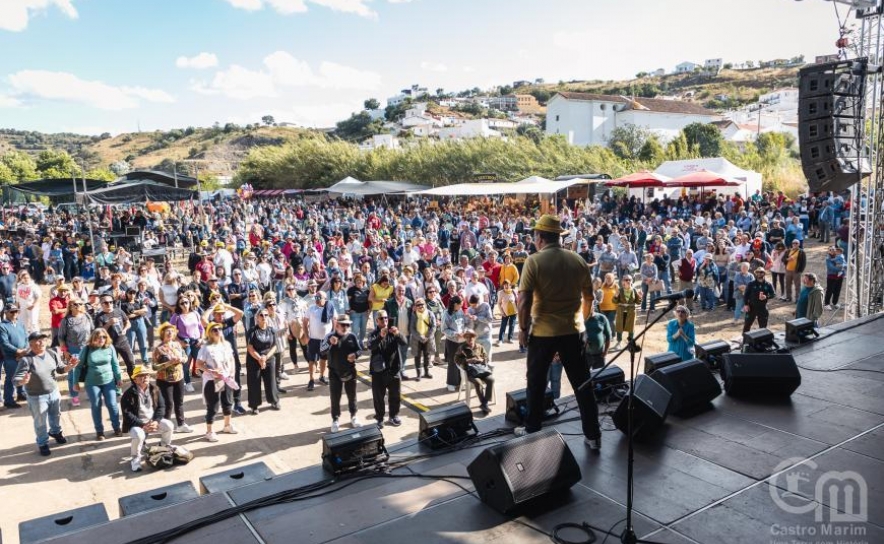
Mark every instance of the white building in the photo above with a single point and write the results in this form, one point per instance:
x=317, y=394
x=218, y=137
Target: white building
x=589, y=119
x=380, y=140
x=712, y=65
x=473, y=128
x=686, y=67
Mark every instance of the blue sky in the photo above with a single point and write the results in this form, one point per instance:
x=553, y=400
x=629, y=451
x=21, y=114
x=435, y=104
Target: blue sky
x=91, y=66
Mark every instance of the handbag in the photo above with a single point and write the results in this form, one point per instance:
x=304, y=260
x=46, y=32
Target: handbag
x=656, y=286
x=476, y=371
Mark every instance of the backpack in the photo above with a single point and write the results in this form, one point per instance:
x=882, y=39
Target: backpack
x=167, y=456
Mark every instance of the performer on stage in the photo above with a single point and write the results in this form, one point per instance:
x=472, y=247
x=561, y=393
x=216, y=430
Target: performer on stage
x=551, y=321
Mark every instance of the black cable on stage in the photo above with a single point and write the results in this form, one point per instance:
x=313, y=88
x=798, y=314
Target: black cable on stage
x=289, y=496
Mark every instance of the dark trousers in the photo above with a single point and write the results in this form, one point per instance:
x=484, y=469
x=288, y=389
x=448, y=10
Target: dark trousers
x=225, y=397
x=421, y=351
x=277, y=359
x=124, y=350
x=173, y=398
x=779, y=278
x=453, y=377
x=383, y=384
x=756, y=312
x=483, y=394
x=255, y=376
x=833, y=290
x=294, y=345
x=595, y=360
x=335, y=388
x=540, y=356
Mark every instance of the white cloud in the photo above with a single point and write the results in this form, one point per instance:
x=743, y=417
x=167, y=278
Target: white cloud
x=433, y=66
x=281, y=71
x=199, y=62
x=469, y=69
x=248, y=5
x=287, y=7
x=314, y=115
x=338, y=76
x=239, y=83
x=399, y=1
x=66, y=87
x=7, y=101
x=15, y=14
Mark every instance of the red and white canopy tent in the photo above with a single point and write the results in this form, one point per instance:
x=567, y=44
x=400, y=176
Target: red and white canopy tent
x=640, y=179
x=704, y=178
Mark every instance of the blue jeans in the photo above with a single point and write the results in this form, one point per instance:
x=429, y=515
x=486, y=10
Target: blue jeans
x=138, y=330
x=9, y=389
x=108, y=392
x=45, y=407
x=554, y=376
x=506, y=322
x=707, y=298
x=738, y=304
x=360, y=322
x=72, y=375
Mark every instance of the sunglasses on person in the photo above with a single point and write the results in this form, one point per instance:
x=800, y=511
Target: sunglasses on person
x=78, y=304
x=271, y=304
x=344, y=325
x=263, y=315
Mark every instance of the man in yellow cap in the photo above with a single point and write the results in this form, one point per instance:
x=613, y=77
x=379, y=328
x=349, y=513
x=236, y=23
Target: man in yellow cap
x=551, y=320
x=142, y=409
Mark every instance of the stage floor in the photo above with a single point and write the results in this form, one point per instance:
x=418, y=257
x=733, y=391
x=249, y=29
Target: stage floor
x=706, y=479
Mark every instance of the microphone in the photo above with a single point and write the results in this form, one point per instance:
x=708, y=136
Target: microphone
x=680, y=295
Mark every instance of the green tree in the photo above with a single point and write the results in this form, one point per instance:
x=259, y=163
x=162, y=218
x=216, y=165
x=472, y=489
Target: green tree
x=371, y=104
x=6, y=175
x=706, y=137
x=57, y=164
x=542, y=95
x=504, y=90
x=101, y=173
x=358, y=126
x=678, y=148
x=652, y=152
x=23, y=167
x=268, y=120
x=627, y=141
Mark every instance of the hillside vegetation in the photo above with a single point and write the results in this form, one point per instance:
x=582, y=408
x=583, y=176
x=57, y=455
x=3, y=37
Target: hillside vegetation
x=284, y=156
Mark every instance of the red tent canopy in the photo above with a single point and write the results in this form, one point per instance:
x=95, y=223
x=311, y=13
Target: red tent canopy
x=642, y=178
x=704, y=178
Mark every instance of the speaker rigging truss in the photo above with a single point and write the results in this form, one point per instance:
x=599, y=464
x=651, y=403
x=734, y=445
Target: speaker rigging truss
x=865, y=268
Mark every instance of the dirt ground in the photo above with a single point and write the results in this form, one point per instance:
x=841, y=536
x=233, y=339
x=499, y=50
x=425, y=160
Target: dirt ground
x=84, y=471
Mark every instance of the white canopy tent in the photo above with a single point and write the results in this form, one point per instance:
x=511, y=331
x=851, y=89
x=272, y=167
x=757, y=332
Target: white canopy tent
x=352, y=186
x=529, y=186
x=674, y=169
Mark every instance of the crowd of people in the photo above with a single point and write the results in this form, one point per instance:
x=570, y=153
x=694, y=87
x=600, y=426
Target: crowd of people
x=415, y=285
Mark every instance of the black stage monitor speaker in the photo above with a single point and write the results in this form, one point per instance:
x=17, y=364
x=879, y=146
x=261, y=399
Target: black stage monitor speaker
x=649, y=410
x=690, y=383
x=659, y=360
x=830, y=115
x=798, y=330
x=759, y=341
x=760, y=374
x=607, y=381
x=446, y=426
x=517, y=405
x=512, y=474
x=712, y=351
x=353, y=449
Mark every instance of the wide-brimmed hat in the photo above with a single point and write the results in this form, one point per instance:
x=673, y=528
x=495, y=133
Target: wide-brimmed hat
x=162, y=329
x=213, y=326
x=549, y=223
x=140, y=370
x=470, y=332
x=344, y=320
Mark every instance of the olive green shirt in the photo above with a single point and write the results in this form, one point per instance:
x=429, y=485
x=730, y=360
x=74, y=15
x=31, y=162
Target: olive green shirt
x=557, y=279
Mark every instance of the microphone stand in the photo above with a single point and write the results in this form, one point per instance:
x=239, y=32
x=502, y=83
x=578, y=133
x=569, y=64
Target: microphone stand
x=628, y=536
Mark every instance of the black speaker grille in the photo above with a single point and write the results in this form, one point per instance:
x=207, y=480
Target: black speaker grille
x=532, y=465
